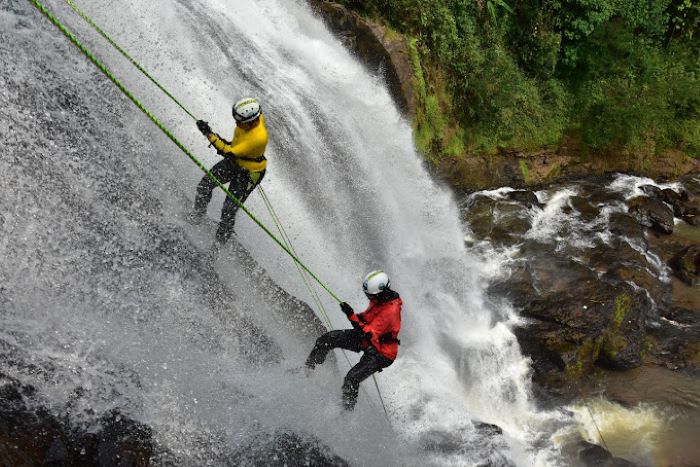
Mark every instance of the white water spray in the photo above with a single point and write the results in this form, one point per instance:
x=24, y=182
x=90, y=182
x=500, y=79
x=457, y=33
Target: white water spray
x=354, y=196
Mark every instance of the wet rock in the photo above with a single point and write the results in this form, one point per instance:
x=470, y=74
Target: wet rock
x=652, y=213
x=672, y=197
x=682, y=315
x=30, y=435
x=607, y=307
x=685, y=206
x=488, y=428
x=635, y=274
x=593, y=455
x=285, y=449
x=625, y=225
x=483, y=440
x=525, y=197
x=502, y=222
x=586, y=209
x=577, y=319
x=689, y=211
x=686, y=265
x=651, y=190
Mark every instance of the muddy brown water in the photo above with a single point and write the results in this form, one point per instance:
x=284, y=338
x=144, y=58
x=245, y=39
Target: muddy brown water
x=658, y=422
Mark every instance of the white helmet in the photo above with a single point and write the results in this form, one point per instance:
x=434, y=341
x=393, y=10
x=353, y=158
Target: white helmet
x=246, y=110
x=375, y=283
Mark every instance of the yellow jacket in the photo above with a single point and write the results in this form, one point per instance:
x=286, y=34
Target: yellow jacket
x=247, y=147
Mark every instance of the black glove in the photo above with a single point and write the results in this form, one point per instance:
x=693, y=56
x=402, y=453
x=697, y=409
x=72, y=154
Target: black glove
x=204, y=127
x=347, y=309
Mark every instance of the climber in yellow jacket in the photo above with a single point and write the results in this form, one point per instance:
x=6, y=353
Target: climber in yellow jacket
x=243, y=166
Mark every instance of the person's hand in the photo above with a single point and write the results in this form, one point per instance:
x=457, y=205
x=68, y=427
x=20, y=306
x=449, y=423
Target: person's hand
x=204, y=127
x=347, y=309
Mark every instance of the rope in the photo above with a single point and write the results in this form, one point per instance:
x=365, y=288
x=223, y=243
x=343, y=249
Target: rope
x=288, y=242
x=596, y=427
x=303, y=269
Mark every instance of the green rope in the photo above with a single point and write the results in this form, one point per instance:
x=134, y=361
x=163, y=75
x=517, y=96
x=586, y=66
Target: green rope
x=288, y=242
x=125, y=54
x=303, y=269
x=172, y=137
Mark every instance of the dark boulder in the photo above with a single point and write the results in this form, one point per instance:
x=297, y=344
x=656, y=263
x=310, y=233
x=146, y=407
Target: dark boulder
x=672, y=197
x=593, y=455
x=587, y=209
x=689, y=211
x=651, y=191
x=624, y=225
x=652, y=213
x=524, y=197
x=576, y=319
x=686, y=265
x=285, y=449
x=685, y=206
x=30, y=435
x=636, y=274
x=501, y=222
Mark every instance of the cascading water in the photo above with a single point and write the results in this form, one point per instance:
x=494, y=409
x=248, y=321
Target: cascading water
x=113, y=303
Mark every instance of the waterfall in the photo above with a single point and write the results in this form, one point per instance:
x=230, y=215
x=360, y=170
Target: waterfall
x=93, y=204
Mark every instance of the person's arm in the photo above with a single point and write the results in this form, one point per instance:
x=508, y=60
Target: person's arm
x=226, y=149
x=356, y=321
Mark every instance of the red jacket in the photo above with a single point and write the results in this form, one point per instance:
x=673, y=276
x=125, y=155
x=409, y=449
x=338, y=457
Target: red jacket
x=382, y=321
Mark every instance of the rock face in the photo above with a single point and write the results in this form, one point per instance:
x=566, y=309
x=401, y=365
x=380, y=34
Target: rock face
x=592, y=287
x=593, y=455
x=31, y=436
x=382, y=52
x=686, y=265
x=652, y=213
x=285, y=449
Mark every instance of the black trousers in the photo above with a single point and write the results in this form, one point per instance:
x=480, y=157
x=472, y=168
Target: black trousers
x=349, y=339
x=241, y=184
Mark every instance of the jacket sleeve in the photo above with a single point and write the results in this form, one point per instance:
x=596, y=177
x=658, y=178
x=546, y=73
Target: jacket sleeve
x=226, y=149
x=357, y=321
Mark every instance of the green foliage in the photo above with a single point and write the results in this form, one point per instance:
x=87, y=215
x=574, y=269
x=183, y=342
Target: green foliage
x=622, y=74
x=524, y=170
x=491, y=8
x=684, y=18
x=631, y=93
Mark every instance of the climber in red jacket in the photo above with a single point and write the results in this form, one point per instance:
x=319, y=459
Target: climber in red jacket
x=375, y=332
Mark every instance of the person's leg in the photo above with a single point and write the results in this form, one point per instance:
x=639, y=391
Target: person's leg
x=223, y=171
x=242, y=184
x=348, y=339
x=370, y=363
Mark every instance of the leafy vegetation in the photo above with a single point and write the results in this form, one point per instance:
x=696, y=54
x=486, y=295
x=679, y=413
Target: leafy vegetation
x=609, y=75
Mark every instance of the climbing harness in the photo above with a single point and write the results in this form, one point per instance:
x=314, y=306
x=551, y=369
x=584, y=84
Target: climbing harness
x=285, y=243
